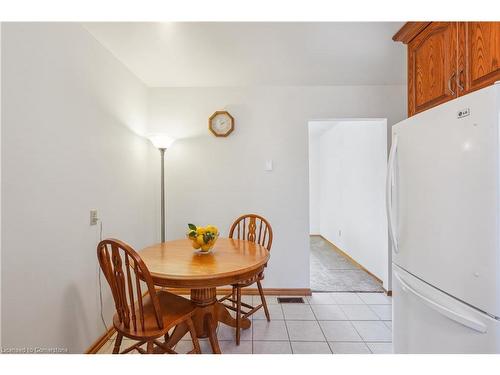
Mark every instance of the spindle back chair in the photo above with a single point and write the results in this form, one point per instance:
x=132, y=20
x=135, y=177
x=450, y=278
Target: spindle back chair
x=141, y=315
x=254, y=228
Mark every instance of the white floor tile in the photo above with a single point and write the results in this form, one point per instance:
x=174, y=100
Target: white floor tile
x=384, y=312
x=271, y=300
x=339, y=331
x=311, y=347
x=304, y=330
x=347, y=299
x=373, y=331
x=183, y=347
x=375, y=298
x=358, y=312
x=380, y=347
x=272, y=347
x=274, y=330
x=247, y=299
x=230, y=347
x=329, y=312
x=225, y=332
x=321, y=299
x=275, y=312
x=349, y=348
x=297, y=311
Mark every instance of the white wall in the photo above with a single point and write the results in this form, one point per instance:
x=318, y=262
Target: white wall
x=314, y=184
x=352, y=169
x=0, y=184
x=68, y=111
x=213, y=180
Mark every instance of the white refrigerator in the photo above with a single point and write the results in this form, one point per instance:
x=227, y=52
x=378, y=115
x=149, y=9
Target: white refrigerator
x=443, y=205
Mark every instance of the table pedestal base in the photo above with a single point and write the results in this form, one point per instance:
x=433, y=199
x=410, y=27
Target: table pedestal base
x=208, y=314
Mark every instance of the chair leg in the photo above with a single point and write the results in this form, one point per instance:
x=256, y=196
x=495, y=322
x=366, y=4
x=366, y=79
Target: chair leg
x=238, y=315
x=118, y=343
x=263, y=299
x=150, y=348
x=233, y=297
x=194, y=337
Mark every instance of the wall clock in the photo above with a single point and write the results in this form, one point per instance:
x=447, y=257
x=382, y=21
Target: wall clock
x=221, y=123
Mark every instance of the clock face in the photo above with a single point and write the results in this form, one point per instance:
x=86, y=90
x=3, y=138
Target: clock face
x=221, y=123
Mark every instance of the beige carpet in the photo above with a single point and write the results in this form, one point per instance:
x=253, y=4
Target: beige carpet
x=333, y=272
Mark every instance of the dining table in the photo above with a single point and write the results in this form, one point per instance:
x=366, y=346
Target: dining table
x=175, y=264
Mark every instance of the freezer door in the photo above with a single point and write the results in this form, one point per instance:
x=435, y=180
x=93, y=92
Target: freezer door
x=445, y=198
x=426, y=320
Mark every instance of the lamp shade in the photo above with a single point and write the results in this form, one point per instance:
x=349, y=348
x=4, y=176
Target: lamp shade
x=161, y=140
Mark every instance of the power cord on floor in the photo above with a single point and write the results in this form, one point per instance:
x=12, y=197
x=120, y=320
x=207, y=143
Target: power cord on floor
x=100, y=284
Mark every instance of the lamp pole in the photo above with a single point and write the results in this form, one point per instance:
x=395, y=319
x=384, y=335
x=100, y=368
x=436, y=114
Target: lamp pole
x=162, y=142
x=162, y=153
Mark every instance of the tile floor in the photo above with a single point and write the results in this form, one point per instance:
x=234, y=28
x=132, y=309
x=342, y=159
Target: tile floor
x=333, y=272
x=338, y=323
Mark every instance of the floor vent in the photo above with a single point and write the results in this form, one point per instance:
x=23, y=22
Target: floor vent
x=290, y=300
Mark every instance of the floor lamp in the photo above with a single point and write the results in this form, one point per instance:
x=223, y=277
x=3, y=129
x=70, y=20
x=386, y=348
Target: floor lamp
x=162, y=142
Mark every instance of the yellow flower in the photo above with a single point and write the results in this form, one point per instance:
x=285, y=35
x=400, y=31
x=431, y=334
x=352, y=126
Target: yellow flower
x=200, y=230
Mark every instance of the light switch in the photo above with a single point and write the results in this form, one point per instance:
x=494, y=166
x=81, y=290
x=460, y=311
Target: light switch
x=269, y=165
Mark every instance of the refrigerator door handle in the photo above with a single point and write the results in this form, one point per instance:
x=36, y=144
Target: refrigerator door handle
x=450, y=314
x=388, y=193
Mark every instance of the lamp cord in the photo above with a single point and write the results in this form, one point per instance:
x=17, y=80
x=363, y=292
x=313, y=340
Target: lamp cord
x=100, y=284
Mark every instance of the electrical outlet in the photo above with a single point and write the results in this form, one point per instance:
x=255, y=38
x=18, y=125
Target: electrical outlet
x=93, y=216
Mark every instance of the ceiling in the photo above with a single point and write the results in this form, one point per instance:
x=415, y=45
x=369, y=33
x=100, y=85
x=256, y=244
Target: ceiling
x=201, y=54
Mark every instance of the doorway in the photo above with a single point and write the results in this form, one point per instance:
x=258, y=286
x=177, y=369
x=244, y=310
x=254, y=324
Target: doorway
x=349, y=250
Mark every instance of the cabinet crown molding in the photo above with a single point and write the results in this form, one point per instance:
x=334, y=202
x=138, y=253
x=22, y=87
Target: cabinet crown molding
x=409, y=31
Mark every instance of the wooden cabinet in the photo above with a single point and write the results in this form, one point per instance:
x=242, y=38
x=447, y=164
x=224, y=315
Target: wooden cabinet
x=449, y=59
x=432, y=61
x=480, y=64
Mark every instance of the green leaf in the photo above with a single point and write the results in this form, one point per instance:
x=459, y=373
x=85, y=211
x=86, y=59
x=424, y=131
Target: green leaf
x=192, y=226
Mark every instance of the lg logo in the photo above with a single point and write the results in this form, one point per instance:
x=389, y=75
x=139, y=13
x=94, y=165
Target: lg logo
x=463, y=113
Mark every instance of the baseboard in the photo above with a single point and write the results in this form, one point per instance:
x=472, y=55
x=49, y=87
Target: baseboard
x=99, y=343
x=339, y=250
x=253, y=291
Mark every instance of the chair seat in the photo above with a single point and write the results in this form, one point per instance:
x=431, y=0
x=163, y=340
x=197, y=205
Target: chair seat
x=175, y=310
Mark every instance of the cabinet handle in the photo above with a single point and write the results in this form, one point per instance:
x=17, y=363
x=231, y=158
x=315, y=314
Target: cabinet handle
x=449, y=84
x=458, y=80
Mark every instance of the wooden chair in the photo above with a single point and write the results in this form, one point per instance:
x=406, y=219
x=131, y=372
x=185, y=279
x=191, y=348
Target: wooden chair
x=143, y=317
x=257, y=229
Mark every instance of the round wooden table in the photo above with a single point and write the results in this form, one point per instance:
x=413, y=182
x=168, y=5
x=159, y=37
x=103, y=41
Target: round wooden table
x=175, y=264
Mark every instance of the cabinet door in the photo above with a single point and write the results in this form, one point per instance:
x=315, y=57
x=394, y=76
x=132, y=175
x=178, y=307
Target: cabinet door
x=432, y=66
x=480, y=57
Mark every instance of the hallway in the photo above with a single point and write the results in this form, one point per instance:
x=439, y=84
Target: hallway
x=332, y=271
